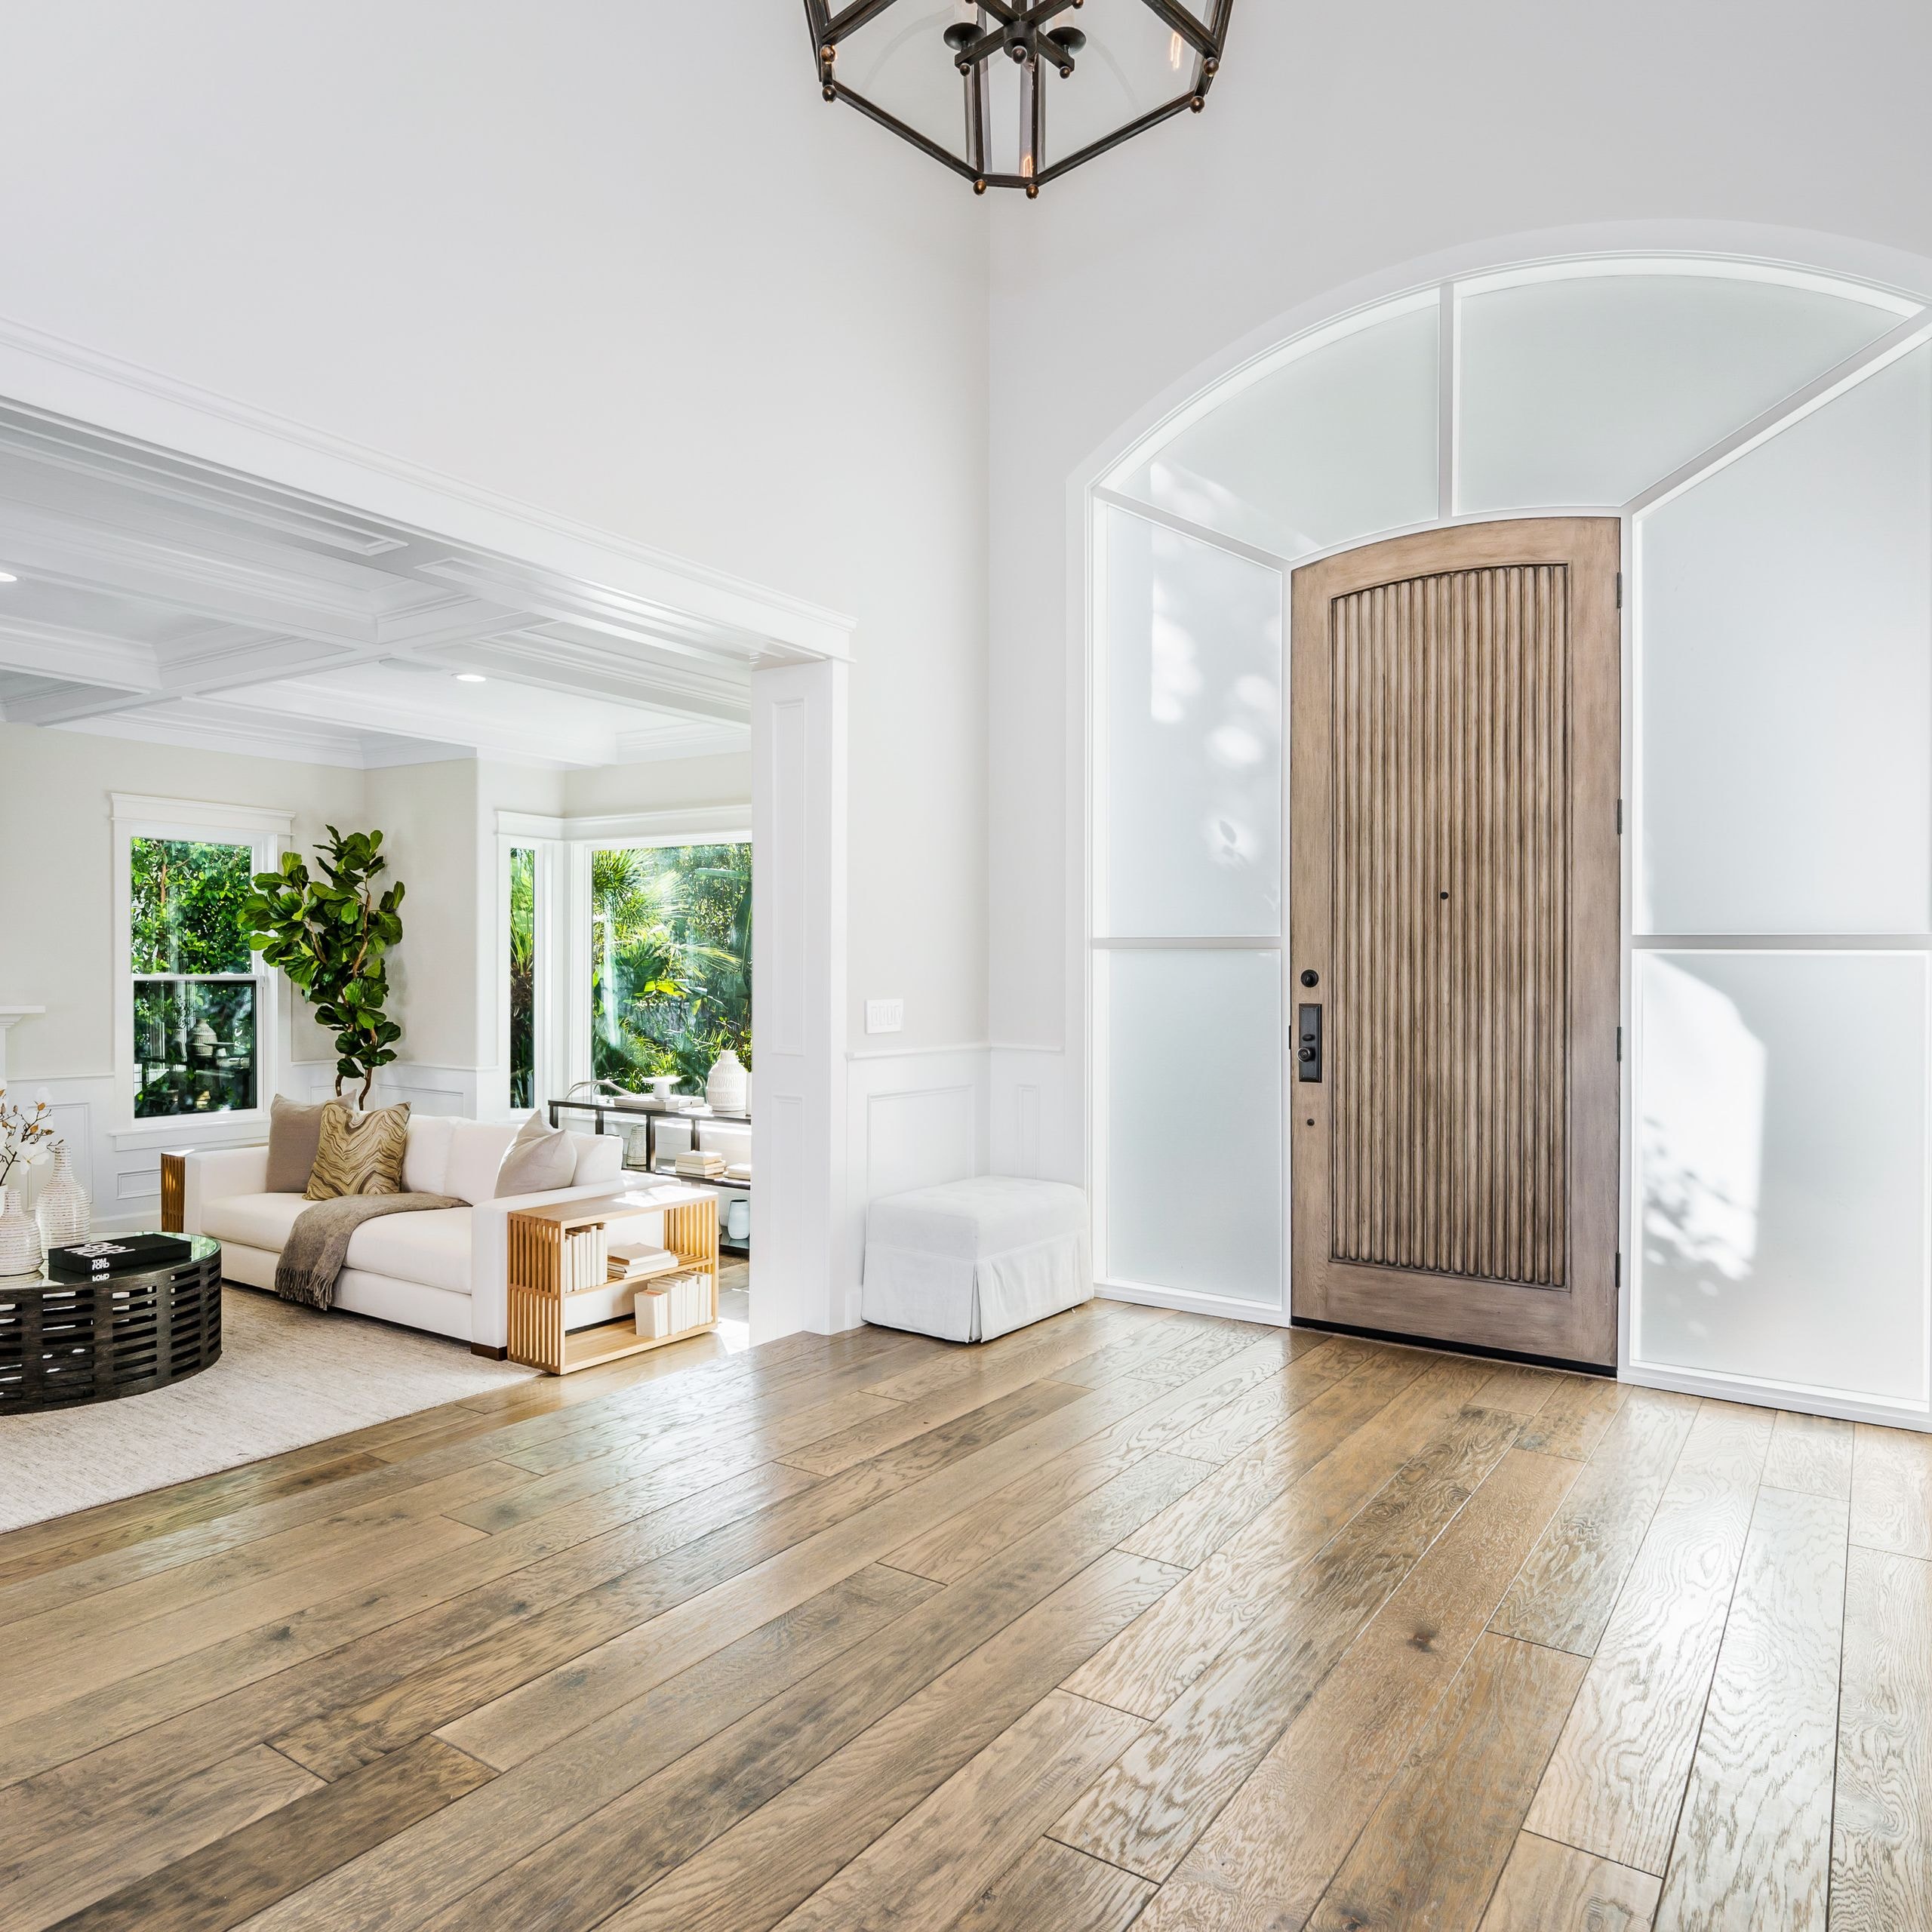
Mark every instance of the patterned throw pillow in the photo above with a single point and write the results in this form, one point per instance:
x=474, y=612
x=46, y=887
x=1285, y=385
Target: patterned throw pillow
x=359, y=1153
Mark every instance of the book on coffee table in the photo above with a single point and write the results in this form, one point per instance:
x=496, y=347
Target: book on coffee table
x=119, y=1254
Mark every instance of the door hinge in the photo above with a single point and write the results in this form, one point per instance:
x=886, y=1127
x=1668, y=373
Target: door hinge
x=1619, y=1046
x=1616, y=1275
x=1619, y=590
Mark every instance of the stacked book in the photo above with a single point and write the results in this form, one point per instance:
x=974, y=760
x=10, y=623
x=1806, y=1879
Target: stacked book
x=639, y=1261
x=677, y=1302
x=700, y=1164
x=738, y=1170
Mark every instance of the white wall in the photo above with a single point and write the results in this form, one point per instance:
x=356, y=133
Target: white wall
x=662, y=289
x=658, y=785
x=1339, y=143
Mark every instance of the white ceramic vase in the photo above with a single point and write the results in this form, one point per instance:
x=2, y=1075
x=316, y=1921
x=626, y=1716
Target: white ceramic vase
x=725, y=1087
x=19, y=1239
x=64, y=1211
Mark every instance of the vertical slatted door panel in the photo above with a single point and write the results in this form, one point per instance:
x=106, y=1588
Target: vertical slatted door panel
x=1449, y=1025
x=1440, y=755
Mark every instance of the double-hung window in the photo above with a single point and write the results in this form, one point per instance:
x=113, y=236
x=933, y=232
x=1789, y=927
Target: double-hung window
x=196, y=1028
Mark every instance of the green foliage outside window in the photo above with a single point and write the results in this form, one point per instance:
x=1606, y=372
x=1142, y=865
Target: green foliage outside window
x=187, y=906
x=671, y=961
x=194, y=1020
x=523, y=977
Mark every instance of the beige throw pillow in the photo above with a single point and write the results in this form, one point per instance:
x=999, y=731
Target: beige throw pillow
x=359, y=1153
x=295, y=1132
x=539, y=1158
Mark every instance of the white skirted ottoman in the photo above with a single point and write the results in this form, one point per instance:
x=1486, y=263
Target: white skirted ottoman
x=976, y=1259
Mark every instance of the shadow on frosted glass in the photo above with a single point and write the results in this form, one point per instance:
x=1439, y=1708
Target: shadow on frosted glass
x=1194, y=738
x=1194, y=1121
x=1585, y=391
x=1781, y=1152
x=1785, y=675
x=1337, y=445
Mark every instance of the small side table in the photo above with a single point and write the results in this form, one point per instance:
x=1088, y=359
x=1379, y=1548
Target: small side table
x=63, y=1343
x=537, y=1296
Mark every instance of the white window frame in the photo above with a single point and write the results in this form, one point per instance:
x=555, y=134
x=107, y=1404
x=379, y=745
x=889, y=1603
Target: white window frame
x=563, y=846
x=268, y=832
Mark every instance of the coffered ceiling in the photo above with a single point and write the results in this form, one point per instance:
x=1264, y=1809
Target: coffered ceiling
x=161, y=597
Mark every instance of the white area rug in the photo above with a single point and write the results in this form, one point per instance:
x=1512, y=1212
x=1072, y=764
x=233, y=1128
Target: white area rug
x=287, y=1377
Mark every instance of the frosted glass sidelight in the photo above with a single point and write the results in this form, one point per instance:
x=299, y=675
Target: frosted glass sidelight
x=1193, y=834
x=1780, y=1142
x=1585, y=391
x=1785, y=692
x=1194, y=1121
x=1336, y=445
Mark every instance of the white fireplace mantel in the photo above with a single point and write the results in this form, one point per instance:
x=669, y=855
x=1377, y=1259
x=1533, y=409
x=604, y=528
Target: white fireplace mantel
x=8, y=1015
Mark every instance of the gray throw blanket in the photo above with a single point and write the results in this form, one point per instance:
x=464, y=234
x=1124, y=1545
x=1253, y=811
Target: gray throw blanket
x=319, y=1242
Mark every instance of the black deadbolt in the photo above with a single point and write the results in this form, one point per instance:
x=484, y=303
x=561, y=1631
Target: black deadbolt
x=1310, y=977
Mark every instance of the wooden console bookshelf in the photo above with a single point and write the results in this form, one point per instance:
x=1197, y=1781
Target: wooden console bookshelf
x=538, y=1298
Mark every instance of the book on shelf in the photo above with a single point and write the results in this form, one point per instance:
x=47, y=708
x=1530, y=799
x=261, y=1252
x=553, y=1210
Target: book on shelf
x=582, y=1263
x=673, y=1303
x=642, y=1262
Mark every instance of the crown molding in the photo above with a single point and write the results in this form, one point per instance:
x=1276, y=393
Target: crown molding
x=122, y=399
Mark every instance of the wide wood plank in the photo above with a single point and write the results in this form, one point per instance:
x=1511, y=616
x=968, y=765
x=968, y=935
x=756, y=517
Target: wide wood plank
x=1269, y=1856
x=1150, y=1666
x=1147, y=1812
x=444, y=1856
x=1432, y=1853
x=239, y=1876
x=960, y=1543
x=624, y=1813
x=1054, y=1885
x=1548, y=1887
x=83, y=1865
x=1218, y=1509
x=1615, y=1783
x=1753, y=1845
x=1573, y=1421
x=1570, y=1584
x=928, y=1867
x=1881, y=1853
x=1891, y=1490
x=778, y=1855
x=1812, y=1453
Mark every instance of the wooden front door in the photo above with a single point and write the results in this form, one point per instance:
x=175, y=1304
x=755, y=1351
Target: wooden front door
x=1455, y=702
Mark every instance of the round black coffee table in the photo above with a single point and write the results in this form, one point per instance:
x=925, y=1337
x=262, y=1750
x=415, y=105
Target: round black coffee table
x=65, y=1343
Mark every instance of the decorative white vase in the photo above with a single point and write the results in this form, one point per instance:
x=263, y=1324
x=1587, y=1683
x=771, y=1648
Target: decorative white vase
x=725, y=1087
x=19, y=1239
x=64, y=1211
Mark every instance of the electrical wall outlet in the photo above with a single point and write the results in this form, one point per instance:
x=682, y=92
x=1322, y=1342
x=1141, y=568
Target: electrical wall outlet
x=884, y=1016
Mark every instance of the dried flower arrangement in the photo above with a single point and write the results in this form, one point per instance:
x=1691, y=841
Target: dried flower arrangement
x=19, y=1132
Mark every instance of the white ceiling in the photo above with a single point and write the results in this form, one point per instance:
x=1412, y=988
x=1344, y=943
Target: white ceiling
x=162, y=598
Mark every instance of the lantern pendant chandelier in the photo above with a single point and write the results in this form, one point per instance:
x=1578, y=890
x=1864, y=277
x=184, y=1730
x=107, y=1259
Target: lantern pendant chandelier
x=984, y=86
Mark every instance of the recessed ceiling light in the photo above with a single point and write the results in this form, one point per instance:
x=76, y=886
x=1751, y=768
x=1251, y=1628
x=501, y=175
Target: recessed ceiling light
x=7, y=576
x=471, y=678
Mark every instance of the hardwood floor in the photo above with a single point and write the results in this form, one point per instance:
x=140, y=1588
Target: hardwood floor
x=1132, y=1618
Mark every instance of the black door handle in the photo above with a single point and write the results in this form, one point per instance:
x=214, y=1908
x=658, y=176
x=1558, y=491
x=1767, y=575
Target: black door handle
x=1308, y=1052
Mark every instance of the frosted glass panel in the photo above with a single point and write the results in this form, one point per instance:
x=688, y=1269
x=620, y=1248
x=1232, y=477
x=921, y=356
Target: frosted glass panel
x=1785, y=762
x=1781, y=1150
x=1194, y=738
x=1336, y=445
x=1586, y=392
x=1194, y=1121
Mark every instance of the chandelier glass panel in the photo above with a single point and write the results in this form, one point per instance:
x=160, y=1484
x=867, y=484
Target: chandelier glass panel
x=1013, y=94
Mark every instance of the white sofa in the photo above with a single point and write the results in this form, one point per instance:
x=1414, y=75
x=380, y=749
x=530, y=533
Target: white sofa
x=444, y=1270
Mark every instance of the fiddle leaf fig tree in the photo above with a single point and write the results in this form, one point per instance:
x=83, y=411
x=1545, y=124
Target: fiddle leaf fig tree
x=332, y=935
